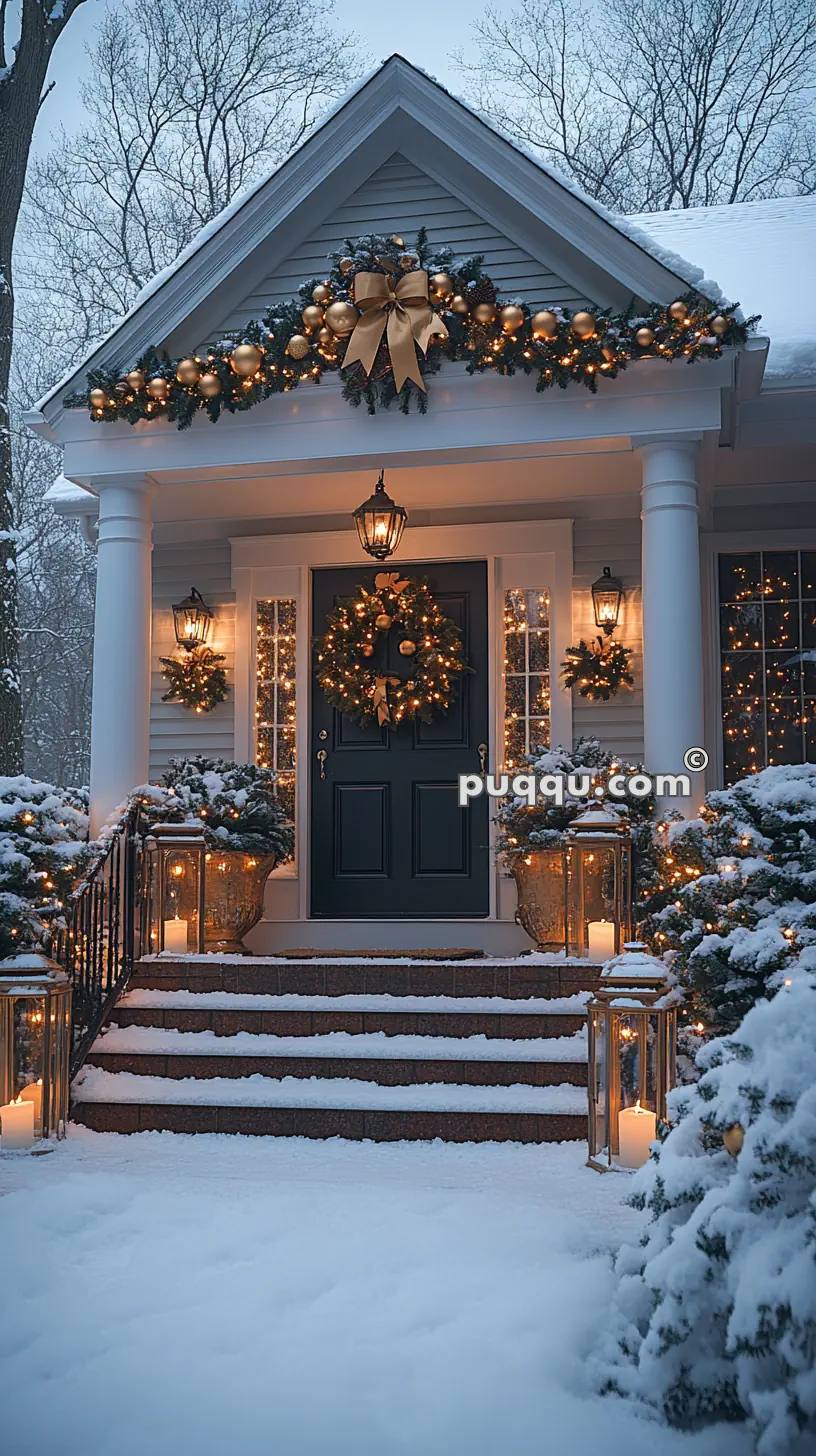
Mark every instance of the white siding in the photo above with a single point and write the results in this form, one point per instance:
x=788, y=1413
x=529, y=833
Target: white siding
x=399, y=198
x=616, y=544
x=174, y=729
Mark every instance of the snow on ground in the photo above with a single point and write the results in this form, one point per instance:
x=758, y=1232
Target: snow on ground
x=204, y=1296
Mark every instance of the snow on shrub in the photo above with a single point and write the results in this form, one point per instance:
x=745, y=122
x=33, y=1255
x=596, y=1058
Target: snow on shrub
x=235, y=803
x=733, y=897
x=716, y=1310
x=44, y=852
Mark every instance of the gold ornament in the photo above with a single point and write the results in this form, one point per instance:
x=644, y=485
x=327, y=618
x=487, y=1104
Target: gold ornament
x=341, y=318
x=298, y=346
x=644, y=337
x=720, y=324
x=511, y=318
x=442, y=285
x=210, y=385
x=733, y=1139
x=367, y=649
x=245, y=359
x=157, y=388
x=397, y=240
x=98, y=398
x=382, y=622
x=188, y=372
x=312, y=316
x=136, y=378
x=325, y=337
x=583, y=324
x=459, y=304
x=408, y=261
x=345, y=265
x=484, y=313
x=544, y=324
x=678, y=310
x=321, y=293
x=407, y=648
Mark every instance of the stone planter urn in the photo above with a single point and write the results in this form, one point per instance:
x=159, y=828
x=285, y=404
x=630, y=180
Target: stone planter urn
x=233, y=898
x=540, y=885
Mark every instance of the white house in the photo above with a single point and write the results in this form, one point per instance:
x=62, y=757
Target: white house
x=695, y=486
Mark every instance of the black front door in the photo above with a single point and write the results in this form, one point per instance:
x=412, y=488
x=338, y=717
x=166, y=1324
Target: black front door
x=388, y=837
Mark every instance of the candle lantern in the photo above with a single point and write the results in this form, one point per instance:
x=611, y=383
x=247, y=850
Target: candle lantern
x=632, y=1058
x=598, y=884
x=35, y=1049
x=380, y=522
x=191, y=621
x=175, y=858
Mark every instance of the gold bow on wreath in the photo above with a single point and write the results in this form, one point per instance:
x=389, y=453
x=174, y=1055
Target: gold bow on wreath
x=381, y=698
x=401, y=309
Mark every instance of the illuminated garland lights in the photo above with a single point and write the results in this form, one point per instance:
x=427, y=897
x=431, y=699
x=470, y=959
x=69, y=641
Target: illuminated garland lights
x=598, y=671
x=309, y=336
x=197, y=680
x=353, y=665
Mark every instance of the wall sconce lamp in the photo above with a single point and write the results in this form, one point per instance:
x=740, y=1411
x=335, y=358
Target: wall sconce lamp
x=607, y=595
x=191, y=619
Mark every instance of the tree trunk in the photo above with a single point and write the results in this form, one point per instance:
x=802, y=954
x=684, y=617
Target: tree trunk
x=21, y=94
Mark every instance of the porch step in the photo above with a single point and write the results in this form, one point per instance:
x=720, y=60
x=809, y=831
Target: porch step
x=477, y=1050
x=372, y=1057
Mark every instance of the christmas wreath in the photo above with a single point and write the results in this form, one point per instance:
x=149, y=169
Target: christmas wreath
x=386, y=316
x=598, y=669
x=197, y=680
x=390, y=654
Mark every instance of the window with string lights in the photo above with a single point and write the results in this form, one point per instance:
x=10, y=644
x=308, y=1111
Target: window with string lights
x=276, y=695
x=526, y=673
x=768, y=659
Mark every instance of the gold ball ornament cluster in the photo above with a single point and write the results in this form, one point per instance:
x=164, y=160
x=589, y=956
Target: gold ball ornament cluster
x=98, y=399
x=188, y=372
x=544, y=324
x=407, y=648
x=383, y=622
x=136, y=379
x=158, y=388
x=341, y=318
x=322, y=293
x=678, y=310
x=511, y=318
x=298, y=346
x=246, y=360
x=719, y=325
x=645, y=337
x=210, y=385
x=583, y=324
x=485, y=313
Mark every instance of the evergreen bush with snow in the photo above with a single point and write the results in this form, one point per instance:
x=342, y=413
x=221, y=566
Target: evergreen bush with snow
x=44, y=852
x=715, y=1315
x=733, y=895
x=235, y=803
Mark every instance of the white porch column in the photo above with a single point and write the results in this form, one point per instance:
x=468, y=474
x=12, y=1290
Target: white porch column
x=672, y=611
x=121, y=660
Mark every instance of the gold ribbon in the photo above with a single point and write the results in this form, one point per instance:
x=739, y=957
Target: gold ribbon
x=403, y=312
x=381, y=698
x=390, y=580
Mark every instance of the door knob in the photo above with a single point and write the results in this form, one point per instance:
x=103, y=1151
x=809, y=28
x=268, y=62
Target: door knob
x=321, y=758
x=482, y=759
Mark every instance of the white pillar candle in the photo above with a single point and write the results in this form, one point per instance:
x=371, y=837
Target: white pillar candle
x=175, y=936
x=601, y=939
x=17, y=1125
x=33, y=1093
x=637, y=1128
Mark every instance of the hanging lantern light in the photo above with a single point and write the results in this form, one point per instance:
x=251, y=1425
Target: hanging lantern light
x=191, y=619
x=607, y=595
x=380, y=523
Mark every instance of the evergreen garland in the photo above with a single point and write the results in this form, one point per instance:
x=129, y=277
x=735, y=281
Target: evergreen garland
x=599, y=671
x=197, y=679
x=285, y=350
x=235, y=803
x=359, y=675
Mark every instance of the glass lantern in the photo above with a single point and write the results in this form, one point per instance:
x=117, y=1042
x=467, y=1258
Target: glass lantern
x=598, y=885
x=380, y=522
x=632, y=1059
x=191, y=620
x=175, y=856
x=607, y=595
x=35, y=1049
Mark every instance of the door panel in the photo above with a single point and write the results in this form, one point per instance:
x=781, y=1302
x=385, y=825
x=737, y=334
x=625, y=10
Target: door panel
x=388, y=837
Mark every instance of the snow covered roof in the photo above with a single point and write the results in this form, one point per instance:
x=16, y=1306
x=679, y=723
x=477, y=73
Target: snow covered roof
x=763, y=255
x=63, y=493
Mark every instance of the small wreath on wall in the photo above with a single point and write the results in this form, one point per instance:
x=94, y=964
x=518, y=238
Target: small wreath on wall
x=598, y=669
x=354, y=666
x=197, y=680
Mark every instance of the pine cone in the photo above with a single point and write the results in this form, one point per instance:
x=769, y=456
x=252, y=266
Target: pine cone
x=482, y=291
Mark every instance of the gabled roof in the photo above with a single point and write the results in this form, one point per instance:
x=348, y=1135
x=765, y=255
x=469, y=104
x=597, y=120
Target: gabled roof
x=397, y=107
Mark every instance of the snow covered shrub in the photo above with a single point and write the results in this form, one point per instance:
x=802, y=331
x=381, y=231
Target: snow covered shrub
x=523, y=828
x=715, y=1312
x=236, y=804
x=733, y=894
x=44, y=851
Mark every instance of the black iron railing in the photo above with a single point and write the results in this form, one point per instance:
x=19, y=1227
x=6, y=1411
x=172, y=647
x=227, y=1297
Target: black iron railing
x=104, y=932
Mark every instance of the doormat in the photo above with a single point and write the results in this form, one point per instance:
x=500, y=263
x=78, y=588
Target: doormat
x=380, y=955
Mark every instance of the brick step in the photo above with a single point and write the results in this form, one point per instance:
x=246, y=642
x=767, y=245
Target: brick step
x=387, y=1071
x=513, y=979
x=227, y=1015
